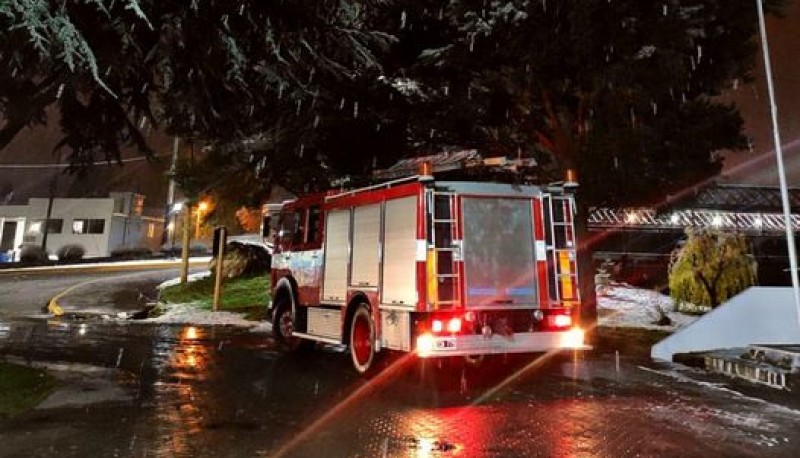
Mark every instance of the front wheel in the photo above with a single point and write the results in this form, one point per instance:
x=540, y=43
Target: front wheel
x=362, y=340
x=283, y=326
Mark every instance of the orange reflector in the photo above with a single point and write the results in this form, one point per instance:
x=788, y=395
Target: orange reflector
x=565, y=269
x=433, y=287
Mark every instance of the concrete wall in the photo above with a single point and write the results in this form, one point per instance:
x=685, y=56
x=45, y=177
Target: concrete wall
x=759, y=315
x=135, y=232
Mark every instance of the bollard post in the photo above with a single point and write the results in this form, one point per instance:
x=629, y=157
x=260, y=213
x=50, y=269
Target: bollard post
x=185, y=246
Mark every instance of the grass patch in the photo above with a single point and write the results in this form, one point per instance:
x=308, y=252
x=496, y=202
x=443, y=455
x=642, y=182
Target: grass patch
x=22, y=388
x=634, y=342
x=247, y=295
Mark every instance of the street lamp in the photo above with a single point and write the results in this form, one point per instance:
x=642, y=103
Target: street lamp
x=175, y=209
x=171, y=233
x=201, y=207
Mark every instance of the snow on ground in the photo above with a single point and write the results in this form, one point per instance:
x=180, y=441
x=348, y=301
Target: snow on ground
x=189, y=313
x=627, y=306
x=190, y=278
x=622, y=305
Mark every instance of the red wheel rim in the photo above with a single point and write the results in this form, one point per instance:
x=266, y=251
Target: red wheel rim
x=361, y=340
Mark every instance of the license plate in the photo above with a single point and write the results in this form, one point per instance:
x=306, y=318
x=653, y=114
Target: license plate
x=446, y=343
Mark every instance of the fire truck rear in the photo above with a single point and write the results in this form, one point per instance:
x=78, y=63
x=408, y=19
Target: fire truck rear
x=437, y=268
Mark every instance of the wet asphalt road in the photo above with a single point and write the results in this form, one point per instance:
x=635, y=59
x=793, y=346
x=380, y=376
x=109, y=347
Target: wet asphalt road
x=142, y=389
x=100, y=290
x=226, y=392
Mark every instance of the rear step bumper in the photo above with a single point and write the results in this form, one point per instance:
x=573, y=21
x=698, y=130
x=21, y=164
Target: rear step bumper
x=522, y=342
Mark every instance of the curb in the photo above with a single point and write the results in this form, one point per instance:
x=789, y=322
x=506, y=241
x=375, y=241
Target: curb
x=108, y=267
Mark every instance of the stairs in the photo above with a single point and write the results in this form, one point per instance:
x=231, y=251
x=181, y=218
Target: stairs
x=775, y=366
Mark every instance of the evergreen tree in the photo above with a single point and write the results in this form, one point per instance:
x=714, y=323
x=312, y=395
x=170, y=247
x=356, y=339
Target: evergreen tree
x=622, y=91
x=298, y=92
x=710, y=268
x=225, y=75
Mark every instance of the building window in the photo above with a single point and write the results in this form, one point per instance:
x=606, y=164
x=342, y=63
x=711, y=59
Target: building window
x=119, y=205
x=53, y=226
x=88, y=226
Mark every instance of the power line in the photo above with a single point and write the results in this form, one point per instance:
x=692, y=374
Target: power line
x=65, y=165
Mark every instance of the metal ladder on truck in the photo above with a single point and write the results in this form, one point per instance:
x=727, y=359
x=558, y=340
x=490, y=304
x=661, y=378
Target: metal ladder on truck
x=559, y=212
x=444, y=251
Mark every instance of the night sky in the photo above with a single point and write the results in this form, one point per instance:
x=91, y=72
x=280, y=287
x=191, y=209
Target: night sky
x=756, y=166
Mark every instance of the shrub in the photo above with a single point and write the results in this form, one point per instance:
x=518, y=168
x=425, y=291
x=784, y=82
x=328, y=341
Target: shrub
x=710, y=268
x=33, y=254
x=242, y=260
x=71, y=253
x=136, y=252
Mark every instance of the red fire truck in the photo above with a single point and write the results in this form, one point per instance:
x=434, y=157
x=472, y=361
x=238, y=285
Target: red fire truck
x=438, y=268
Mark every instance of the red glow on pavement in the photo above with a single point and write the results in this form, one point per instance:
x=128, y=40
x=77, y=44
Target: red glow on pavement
x=381, y=379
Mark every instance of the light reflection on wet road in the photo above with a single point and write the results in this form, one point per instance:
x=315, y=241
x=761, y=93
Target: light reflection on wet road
x=221, y=392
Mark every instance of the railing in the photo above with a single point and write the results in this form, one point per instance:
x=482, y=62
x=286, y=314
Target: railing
x=647, y=218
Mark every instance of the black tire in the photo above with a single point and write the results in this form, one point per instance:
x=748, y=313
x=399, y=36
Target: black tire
x=283, y=325
x=362, y=341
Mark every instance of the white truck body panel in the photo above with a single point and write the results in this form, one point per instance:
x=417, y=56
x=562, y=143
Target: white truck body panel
x=337, y=256
x=366, y=246
x=400, y=252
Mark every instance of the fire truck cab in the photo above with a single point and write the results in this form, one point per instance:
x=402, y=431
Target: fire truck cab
x=437, y=268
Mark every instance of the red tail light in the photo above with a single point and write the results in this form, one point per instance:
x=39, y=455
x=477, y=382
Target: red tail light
x=451, y=325
x=454, y=325
x=559, y=321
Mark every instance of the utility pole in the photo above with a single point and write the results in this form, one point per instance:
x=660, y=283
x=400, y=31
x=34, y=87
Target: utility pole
x=171, y=189
x=168, y=214
x=49, y=214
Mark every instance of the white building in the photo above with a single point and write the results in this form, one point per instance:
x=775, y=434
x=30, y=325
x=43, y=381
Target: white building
x=99, y=225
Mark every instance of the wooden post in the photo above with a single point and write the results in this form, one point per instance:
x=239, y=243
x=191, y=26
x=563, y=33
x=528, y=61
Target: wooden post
x=187, y=223
x=220, y=235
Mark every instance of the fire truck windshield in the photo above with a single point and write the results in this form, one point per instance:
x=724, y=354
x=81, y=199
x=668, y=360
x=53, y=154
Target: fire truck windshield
x=498, y=253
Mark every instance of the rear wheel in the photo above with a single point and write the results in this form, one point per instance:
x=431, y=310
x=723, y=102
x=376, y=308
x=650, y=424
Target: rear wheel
x=362, y=340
